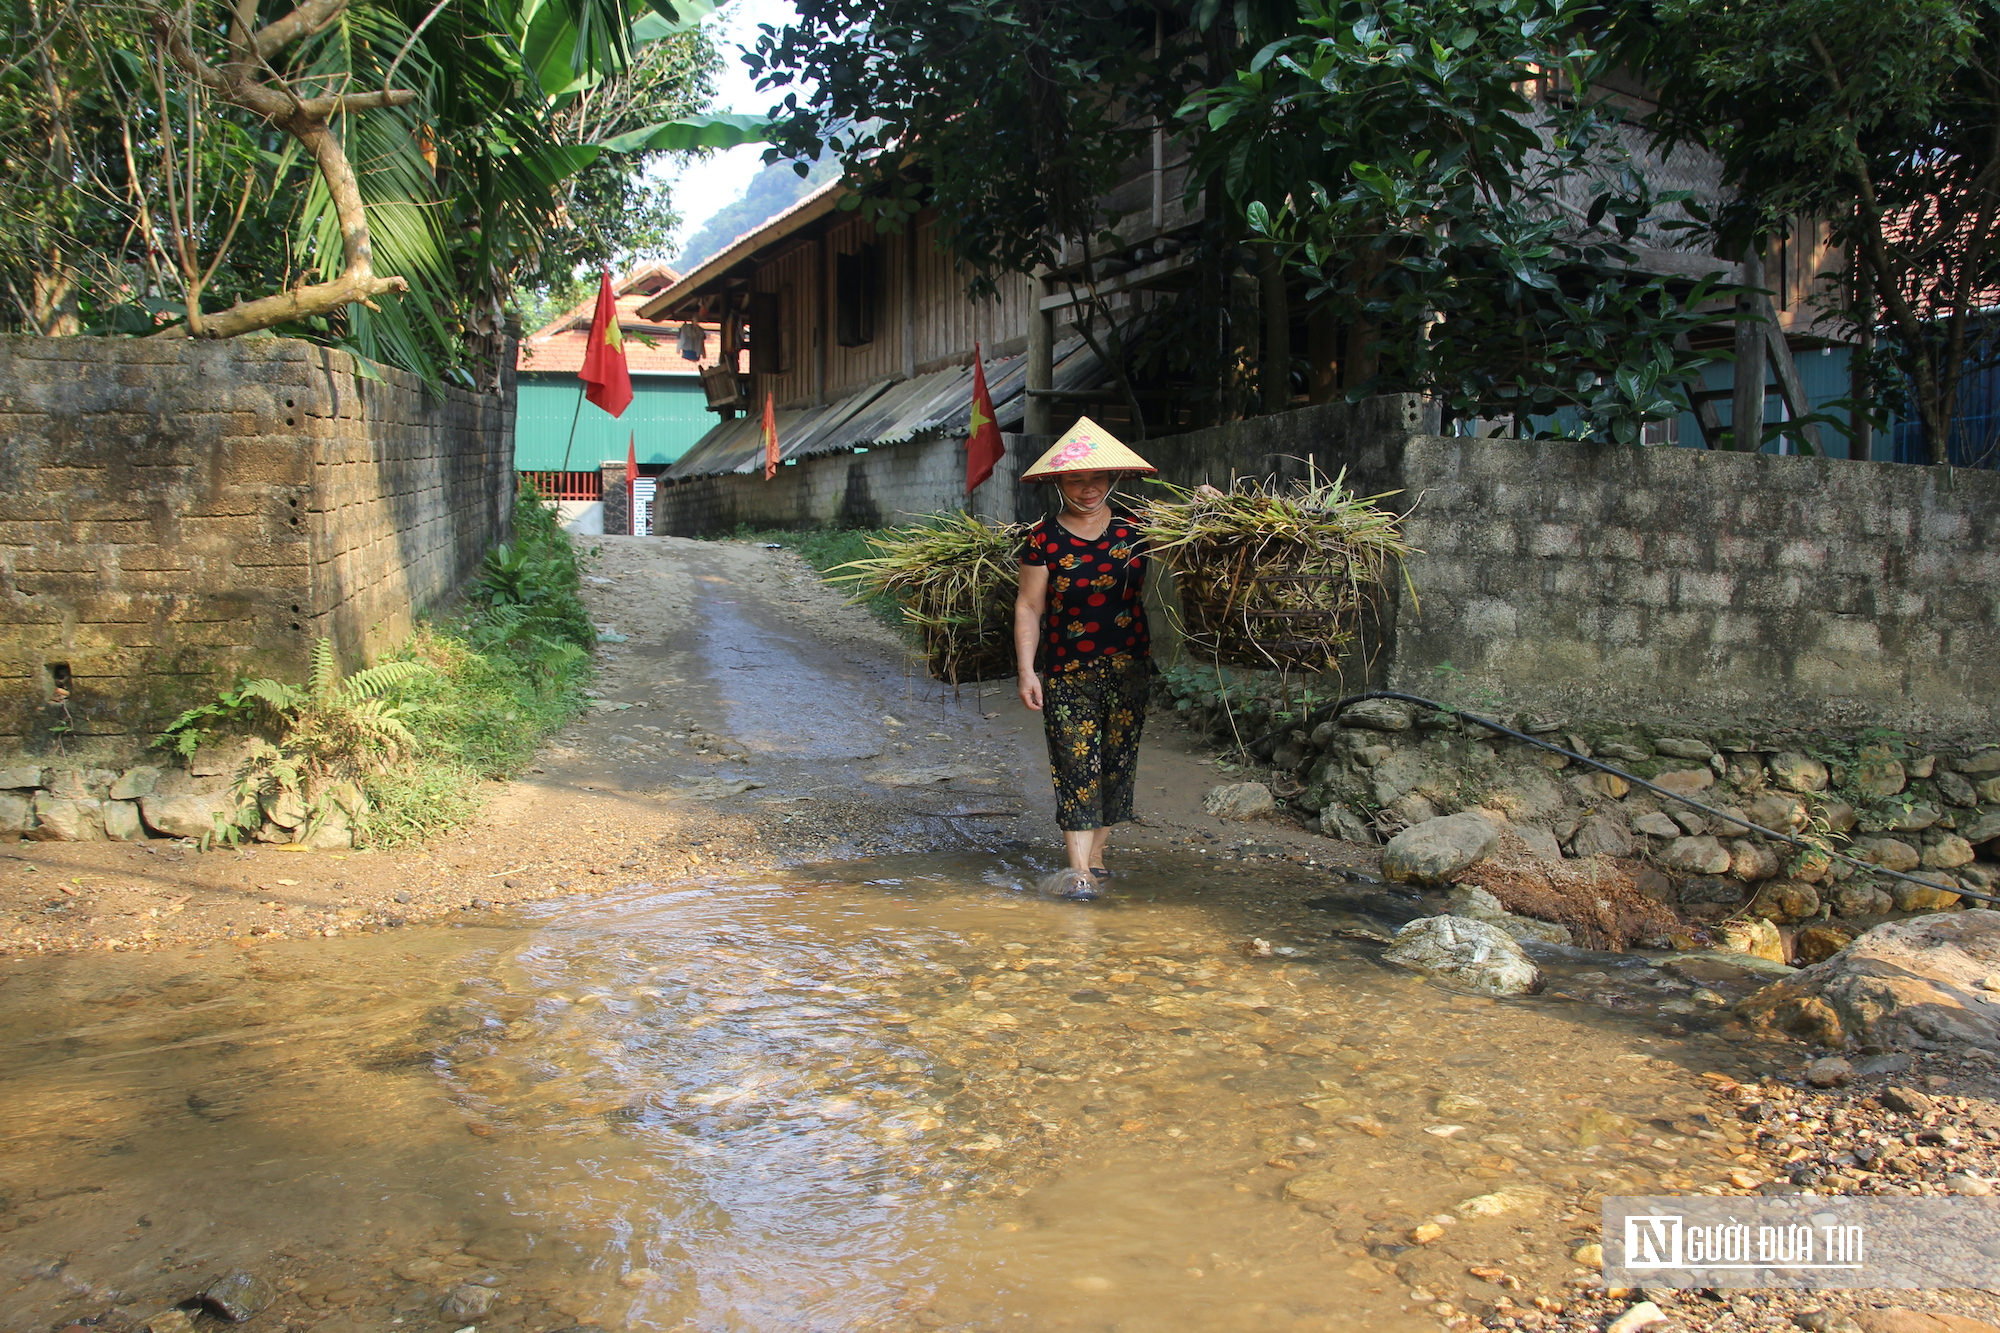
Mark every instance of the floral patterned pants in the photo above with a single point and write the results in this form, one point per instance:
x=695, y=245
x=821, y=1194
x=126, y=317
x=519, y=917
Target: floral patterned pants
x=1093, y=716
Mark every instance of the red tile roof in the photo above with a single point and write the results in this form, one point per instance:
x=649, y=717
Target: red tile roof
x=649, y=348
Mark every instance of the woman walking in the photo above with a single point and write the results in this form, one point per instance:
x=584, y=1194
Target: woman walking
x=1082, y=647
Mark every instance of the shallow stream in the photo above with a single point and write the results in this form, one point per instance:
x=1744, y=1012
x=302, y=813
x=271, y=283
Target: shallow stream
x=893, y=1094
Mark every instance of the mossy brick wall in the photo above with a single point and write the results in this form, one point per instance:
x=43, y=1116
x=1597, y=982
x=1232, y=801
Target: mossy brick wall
x=173, y=514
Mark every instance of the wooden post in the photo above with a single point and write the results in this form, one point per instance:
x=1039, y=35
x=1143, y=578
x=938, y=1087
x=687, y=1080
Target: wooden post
x=1039, y=418
x=1277, y=377
x=1747, y=404
x=909, y=243
x=822, y=322
x=1863, y=444
x=1790, y=385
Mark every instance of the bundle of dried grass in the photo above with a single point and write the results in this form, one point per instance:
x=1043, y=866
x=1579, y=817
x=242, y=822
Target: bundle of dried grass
x=1274, y=577
x=955, y=578
x=1595, y=897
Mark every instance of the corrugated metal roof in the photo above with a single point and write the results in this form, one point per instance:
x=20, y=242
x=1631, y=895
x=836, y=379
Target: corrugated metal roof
x=885, y=413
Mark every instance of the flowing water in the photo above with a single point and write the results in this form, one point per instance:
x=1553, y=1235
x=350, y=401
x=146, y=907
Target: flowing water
x=893, y=1094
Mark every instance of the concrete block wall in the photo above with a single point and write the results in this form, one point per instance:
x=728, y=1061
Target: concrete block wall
x=880, y=488
x=1644, y=583
x=173, y=514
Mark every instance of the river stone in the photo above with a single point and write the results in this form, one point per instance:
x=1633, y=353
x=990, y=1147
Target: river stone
x=1376, y=715
x=1540, y=842
x=1860, y=898
x=1686, y=781
x=1888, y=853
x=1399, y=773
x=1471, y=955
x=134, y=783
x=1410, y=808
x=1821, y=941
x=1700, y=856
x=1913, y=818
x=1956, y=789
x=17, y=812
x=1435, y=850
x=1239, y=800
x=1989, y=791
x=1602, y=835
x=20, y=779
x=1840, y=816
x=1318, y=1187
x=1599, y=785
x=170, y=1321
x=1983, y=829
x=61, y=820
x=1796, y=772
x=286, y=809
x=1948, y=853
x=333, y=832
x=1506, y=1199
x=467, y=1301
x=239, y=1296
x=186, y=816
x=1750, y=860
x=1657, y=824
x=1710, y=889
x=122, y=823
x=1981, y=763
x=1753, y=936
x=1681, y=748
x=1337, y=821
x=1923, y=897
x=1785, y=901
x=1904, y=983
x=1876, y=772
x=1778, y=810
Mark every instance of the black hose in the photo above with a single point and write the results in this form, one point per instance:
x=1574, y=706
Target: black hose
x=1334, y=710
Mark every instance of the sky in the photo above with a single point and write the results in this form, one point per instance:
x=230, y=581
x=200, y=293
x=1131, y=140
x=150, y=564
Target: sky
x=702, y=186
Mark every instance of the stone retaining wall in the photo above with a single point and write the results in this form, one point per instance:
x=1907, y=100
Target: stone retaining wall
x=175, y=513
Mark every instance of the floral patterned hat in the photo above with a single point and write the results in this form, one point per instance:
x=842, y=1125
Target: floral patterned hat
x=1088, y=447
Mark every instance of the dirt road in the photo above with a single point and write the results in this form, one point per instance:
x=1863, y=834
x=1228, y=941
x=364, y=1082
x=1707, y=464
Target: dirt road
x=750, y=718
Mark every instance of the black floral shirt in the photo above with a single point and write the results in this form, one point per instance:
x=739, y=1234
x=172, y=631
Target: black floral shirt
x=1094, y=610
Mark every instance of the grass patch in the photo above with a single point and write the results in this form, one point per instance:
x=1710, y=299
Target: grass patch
x=396, y=753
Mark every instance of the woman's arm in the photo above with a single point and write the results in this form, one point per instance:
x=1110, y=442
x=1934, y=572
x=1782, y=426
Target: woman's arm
x=1030, y=604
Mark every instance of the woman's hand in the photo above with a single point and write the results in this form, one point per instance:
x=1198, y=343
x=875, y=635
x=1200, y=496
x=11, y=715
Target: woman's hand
x=1031, y=691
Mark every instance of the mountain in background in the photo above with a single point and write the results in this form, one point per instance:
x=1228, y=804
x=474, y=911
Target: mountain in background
x=770, y=192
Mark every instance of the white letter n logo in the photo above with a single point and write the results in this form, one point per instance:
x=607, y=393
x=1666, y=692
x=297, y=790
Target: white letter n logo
x=1653, y=1240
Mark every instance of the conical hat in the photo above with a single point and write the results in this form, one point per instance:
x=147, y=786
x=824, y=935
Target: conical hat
x=1088, y=447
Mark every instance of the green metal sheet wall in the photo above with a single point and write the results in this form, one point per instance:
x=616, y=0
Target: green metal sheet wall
x=667, y=415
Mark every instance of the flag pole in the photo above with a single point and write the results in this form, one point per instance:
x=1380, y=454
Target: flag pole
x=574, y=418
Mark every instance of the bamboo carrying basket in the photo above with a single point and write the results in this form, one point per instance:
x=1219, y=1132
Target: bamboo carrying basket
x=1274, y=577
x=955, y=577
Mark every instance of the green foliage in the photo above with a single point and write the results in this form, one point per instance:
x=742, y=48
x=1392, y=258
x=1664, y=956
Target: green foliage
x=1881, y=120
x=1392, y=151
x=499, y=174
x=399, y=750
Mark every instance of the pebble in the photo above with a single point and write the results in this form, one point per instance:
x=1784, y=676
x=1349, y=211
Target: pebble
x=1830, y=1072
x=1643, y=1315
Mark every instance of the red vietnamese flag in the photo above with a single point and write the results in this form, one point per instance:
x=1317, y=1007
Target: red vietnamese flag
x=983, y=447
x=632, y=476
x=770, y=438
x=609, y=382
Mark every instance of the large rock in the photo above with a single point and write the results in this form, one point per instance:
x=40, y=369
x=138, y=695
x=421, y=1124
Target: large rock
x=1904, y=983
x=1435, y=850
x=17, y=812
x=121, y=821
x=1240, y=800
x=20, y=779
x=1750, y=860
x=186, y=816
x=1947, y=853
x=1475, y=956
x=1682, y=748
x=1957, y=790
x=1475, y=903
x=135, y=782
x=79, y=784
x=1602, y=835
x=1780, y=811
x=1982, y=764
x=1399, y=773
x=1377, y=715
x=1699, y=856
x=1658, y=824
x=60, y=820
x=1785, y=901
